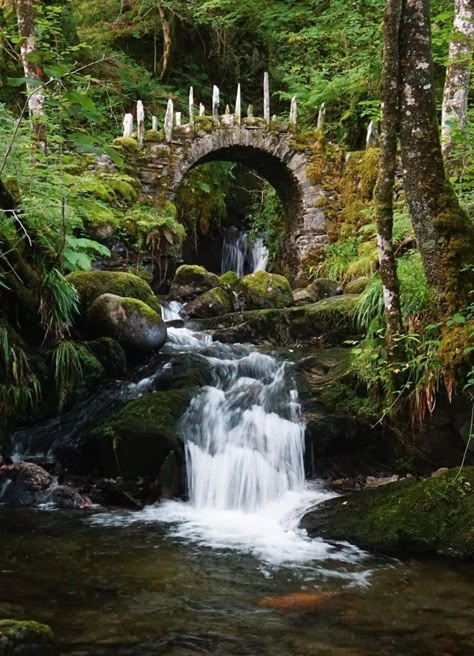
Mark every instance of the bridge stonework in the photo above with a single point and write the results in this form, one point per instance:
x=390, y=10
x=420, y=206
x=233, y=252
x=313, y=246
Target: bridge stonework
x=270, y=150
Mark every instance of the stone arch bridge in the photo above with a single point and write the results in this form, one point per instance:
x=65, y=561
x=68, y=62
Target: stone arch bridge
x=266, y=146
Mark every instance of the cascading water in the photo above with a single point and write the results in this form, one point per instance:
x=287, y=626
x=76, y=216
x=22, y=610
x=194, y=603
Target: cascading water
x=244, y=438
x=242, y=255
x=244, y=444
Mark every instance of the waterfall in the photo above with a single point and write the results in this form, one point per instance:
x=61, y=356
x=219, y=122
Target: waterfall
x=242, y=255
x=244, y=437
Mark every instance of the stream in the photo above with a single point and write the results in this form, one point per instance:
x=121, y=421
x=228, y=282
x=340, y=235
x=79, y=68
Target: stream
x=228, y=572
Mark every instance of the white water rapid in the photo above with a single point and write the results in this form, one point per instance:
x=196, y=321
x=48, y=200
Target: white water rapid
x=244, y=444
x=242, y=255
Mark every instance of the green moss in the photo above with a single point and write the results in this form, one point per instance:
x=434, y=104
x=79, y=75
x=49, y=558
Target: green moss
x=122, y=185
x=265, y=290
x=92, y=284
x=125, y=144
x=454, y=350
x=357, y=286
x=13, y=188
x=213, y=303
x=16, y=635
x=111, y=355
x=136, y=440
x=230, y=278
x=203, y=124
x=431, y=516
x=154, y=135
x=190, y=281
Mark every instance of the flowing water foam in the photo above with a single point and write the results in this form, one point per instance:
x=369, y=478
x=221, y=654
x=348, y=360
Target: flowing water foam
x=244, y=445
x=242, y=254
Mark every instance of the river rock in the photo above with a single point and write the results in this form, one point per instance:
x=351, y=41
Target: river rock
x=214, y=303
x=92, y=284
x=431, y=516
x=262, y=290
x=24, y=484
x=136, y=440
x=27, y=484
x=324, y=288
x=191, y=281
x=136, y=326
x=329, y=322
x=26, y=638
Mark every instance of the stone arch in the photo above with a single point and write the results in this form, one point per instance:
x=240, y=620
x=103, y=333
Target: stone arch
x=273, y=155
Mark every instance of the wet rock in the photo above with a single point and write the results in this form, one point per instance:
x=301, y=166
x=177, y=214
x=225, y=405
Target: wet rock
x=191, y=281
x=214, y=303
x=24, y=484
x=92, y=284
x=136, y=440
x=328, y=322
x=136, y=326
x=263, y=290
x=21, y=638
x=410, y=516
x=66, y=497
x=324, y=288
x=380, y=481
x=27, y=484
x=111, y=355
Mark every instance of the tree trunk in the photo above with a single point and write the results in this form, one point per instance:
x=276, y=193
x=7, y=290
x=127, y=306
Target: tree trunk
x=443, y=231
x=167, y=41
x=456, y=86
x=26, y=32
x=387, y=168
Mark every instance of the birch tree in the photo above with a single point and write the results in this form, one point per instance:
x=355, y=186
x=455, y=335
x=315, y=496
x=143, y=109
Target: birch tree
x=26, y=30
x=456, y=86
x=387, y=168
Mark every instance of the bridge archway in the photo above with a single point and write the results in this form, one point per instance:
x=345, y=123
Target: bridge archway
x=270, y=153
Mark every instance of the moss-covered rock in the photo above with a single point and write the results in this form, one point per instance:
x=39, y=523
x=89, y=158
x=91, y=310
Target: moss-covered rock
x=132, y=323
x=26, y=638
x=111, y=355
x=214, y=303
x=264, y=290
x=230, y=278
x=136, y=440
x=430, y=516
x=328, y=322
x=92, y=284
x=324, y=288
x=191, y=281
x=357, y=286
x=125, y=144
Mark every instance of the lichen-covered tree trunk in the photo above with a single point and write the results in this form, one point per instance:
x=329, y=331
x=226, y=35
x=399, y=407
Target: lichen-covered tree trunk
x=26, y=31
x=456, y=86
x=387, y=169
x=444, y=233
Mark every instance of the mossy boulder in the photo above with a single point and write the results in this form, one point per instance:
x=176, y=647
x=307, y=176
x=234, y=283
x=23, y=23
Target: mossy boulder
x=191, y=281
x=137, y=439
x=324, y=288
x=434, y=516
x=92, y=284
x=263, y=290
x=357, y=286
x=214, y=303
x=26, y=638
x=111, y=355
x=230, y=278
x=329, y=322
x=132, y=323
